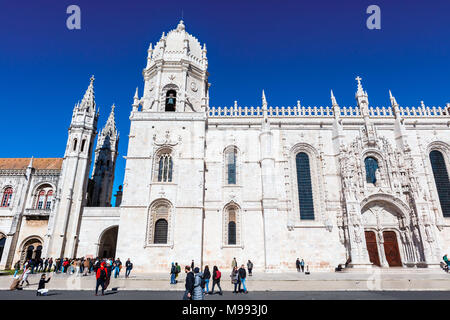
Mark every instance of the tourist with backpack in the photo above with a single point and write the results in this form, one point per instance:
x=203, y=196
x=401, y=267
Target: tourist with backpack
x=199, y=285
x=216, y=279
x=173, y=272
x=235, y=279
x=101, y=276
x=178, y=271
x=206, y=276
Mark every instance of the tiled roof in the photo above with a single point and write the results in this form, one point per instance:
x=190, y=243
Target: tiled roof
x=38, y=163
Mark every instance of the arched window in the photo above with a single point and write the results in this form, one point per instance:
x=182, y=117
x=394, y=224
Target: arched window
x=158, y=231
x=43, y=197
x=165, y=166
x=231, y=226
x=442, y=181
x=371, y=168
x=7, y=195
x=230, y=165
x=48, y=201
x=83, y=143
x=75, y=144
x=231, y=233
x=305, y=195
x=161, y=228
x=41, y=200
x=171, y=99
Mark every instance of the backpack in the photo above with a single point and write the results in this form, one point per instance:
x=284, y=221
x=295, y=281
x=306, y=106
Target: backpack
x=102, y=274
x=218, y=275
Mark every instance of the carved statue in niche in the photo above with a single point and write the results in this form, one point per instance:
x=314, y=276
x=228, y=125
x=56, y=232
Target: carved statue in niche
x=378, y=180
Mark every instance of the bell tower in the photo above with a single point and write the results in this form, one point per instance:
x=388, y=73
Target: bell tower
x=176, y=76
x=64, y=225
x=165, y=163
x=105, y=163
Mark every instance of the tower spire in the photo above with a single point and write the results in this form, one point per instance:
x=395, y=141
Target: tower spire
x=88, y=101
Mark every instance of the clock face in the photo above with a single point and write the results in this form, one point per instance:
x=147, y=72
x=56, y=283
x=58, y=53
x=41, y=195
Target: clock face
x=194, y=86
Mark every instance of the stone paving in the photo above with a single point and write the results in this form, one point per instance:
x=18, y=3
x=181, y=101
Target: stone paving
x=291, y=281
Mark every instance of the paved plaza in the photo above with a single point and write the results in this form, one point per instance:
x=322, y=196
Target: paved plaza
x=297, y=283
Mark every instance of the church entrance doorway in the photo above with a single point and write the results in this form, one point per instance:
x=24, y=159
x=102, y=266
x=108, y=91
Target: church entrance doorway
x=108, y=243
x=372, y=247
x=391, y=249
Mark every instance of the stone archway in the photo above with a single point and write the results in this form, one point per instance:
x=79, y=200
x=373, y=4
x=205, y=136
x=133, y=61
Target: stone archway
x=384, y=223
x=31, y=249
x=2, y=244
x=108, y=243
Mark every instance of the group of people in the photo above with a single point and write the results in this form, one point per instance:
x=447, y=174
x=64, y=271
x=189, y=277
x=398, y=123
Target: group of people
x=300, y=265
x=197, y=282
x=102, y=268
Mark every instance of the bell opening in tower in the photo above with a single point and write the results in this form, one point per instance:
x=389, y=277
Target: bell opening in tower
x=171, y=100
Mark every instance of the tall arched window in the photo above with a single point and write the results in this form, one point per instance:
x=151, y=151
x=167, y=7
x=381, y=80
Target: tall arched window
x=231, y=226
x=371, y=168
x=230, y=165
x=305, y=194
x=75, y=144
x=7, y=195
x=41, y=200
x=48, y=201
x=161, y=229
x=158, y=231
x=442, y=181
x=171, y=100
x=165, y=166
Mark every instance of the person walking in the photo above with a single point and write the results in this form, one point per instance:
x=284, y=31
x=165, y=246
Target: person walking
x=250, y=267
x=206, y=276
x=26, y=273
x=109, y=268
x=40, y=265
x=86, y=265
x=79, y=266
x=178, y=271
x=216, y=279
x=189, y=285
x=101, y=276
x=198, y=282
x=117, y=267
x=234, y=279
x=302, y=265
x=16, y=268
x=173, y=272
x=45, y=264
x=41, y=291
x=242, y=278
x=50, y=264
x=233, y=263
x=128, y=266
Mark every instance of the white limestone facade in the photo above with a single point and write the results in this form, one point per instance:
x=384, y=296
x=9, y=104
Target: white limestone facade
x=362, y=185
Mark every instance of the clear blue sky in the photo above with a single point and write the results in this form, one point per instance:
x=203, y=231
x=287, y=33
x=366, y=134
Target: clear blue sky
x=295, y=50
